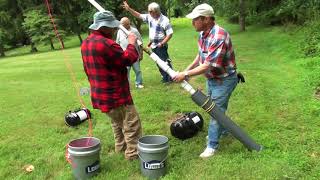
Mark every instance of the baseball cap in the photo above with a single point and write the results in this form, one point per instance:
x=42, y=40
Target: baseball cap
x=201, y=10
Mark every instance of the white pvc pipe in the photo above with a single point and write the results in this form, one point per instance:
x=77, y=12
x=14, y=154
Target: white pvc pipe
x=96, y=5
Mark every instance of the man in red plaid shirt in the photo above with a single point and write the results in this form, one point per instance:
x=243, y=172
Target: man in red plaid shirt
x=105, y=64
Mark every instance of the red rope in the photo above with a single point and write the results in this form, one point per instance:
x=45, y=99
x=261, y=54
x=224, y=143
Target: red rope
x=72, y=74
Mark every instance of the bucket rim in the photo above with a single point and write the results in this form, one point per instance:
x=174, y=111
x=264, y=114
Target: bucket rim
x=86, y=137
x=149, y=144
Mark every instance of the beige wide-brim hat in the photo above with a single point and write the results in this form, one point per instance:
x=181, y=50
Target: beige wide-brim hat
x=105, y=18
x=201, y=10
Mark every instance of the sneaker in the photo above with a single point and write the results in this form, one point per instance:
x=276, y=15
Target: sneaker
x=139, y=86
x=208, y=152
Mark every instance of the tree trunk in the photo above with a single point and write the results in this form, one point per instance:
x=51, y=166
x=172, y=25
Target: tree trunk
x=62, y=43
x=33, y=48
x=2, y=51
x=51, y=44
x=242, y=16
x=80, y=38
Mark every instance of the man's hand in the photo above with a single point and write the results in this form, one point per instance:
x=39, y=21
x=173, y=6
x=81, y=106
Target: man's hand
x=125, y=6
x=159, y=45
x=179, y=77
x=132, y=38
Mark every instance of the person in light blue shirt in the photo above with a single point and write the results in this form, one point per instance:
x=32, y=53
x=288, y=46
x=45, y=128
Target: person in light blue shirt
x=122, y=39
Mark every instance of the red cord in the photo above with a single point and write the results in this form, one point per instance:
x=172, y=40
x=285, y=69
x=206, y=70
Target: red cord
x=72, y=74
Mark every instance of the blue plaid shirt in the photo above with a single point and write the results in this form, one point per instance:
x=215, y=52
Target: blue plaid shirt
x=158, y=28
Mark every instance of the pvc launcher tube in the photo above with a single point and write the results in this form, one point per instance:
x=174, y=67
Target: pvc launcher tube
x=209, y=106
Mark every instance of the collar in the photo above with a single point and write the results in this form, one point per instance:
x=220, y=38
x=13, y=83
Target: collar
x=96, y=32
x=205, y=34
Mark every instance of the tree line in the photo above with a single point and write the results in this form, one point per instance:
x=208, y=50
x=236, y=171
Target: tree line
x=26, y=22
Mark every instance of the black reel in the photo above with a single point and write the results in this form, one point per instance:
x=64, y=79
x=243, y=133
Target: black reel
x=76, y=117
x=187, y=126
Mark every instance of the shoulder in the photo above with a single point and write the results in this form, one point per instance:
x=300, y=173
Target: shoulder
x=219, y=32
x=133, y=29
x=219, y=29
x=145, y=17
x=120, y=32
x=165, y=19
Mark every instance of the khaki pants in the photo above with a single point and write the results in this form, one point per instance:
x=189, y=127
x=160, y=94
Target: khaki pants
x=126, y=127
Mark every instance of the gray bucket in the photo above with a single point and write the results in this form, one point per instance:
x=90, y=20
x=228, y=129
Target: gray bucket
x=153, y=153
x=84, y=157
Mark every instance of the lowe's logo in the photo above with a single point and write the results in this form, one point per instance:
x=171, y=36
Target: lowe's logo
x=153, y=165
x=93, y=167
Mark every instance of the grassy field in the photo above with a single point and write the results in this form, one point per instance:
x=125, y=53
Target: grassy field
x=276, y=106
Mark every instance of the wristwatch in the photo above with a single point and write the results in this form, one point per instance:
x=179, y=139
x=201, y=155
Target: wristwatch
x=186, y=75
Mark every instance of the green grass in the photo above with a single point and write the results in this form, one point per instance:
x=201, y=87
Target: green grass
x=276, y=106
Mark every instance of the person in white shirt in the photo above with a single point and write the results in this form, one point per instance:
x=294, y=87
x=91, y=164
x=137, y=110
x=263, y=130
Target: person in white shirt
x=122, y=39
x=160, y=32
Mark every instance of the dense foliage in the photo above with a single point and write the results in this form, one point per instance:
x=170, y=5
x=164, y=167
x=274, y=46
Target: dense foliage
x=75, y=16
x=275, y=106
x=311, y=43
x=37, y=24
x=272, y=11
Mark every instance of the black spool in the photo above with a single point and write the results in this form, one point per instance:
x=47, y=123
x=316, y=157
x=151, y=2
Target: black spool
x=76, y=117
x=187, y=126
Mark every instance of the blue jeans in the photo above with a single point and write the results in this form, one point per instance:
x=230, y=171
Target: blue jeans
x=220, y=91
x=162, y=52
x=137, y=71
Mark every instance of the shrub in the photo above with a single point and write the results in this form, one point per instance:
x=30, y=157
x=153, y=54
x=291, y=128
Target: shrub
x=311, y=43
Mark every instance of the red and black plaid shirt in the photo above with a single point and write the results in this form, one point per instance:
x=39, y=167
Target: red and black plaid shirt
x=105, y=64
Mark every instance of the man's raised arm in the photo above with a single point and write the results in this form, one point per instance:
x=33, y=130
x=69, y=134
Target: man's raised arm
x=126, y=6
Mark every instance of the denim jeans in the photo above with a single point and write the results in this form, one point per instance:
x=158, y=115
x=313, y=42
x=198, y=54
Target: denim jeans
x=162, y=52
x=220, y=91
x=137, y=71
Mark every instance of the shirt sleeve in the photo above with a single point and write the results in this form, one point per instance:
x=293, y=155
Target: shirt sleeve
x=124, y=58
x=138, y=35
x=144, y=17
x=136, y=32
x=168, y=29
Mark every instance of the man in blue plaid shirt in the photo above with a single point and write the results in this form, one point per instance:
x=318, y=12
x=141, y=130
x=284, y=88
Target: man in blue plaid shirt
x=216, y=61
x=160, y=32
